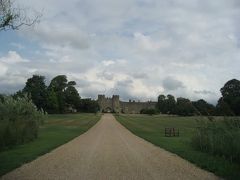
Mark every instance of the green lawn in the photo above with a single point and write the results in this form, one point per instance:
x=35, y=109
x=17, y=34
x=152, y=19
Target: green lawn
x=151, y=128
x=57, y=130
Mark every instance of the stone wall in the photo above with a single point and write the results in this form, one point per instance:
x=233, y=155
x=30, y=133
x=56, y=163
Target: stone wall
x=113, y=104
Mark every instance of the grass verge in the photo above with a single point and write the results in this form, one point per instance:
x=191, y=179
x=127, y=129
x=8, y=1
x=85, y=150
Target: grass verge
x=57, y=130
x=151, y=128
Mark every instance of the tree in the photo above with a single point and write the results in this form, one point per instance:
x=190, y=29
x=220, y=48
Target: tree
x=204, y=108
x=184, y=107
x=12, y=17
x=36, y=89
x=59, y=84
x=170, y=104
x=88, y=105
x=1, y=98
x=52, y=102
x=161, y=103
x=67, y=95
x=231, y=95
x=72, y=97
x=223, y=108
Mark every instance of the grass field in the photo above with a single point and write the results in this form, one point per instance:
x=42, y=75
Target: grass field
x=151, y=128
x=57, y=130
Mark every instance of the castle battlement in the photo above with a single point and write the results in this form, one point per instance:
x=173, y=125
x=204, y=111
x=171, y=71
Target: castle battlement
x=113, y=104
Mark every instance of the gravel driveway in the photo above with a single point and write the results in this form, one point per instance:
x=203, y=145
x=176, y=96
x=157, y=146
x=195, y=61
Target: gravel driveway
x=109, y=151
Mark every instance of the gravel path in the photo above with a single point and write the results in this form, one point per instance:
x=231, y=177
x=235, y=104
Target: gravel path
x=109, y=151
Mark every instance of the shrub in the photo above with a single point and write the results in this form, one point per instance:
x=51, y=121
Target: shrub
x=19, y=121
x=148, y=111
x=219, y=137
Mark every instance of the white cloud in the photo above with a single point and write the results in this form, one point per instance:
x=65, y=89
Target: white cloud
x=146, y=42
x=102, y=43
x=3, y=69
x=108, y=62
x=12, y=58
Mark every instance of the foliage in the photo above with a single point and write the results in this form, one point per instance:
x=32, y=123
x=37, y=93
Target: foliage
x=59, y=97
x=166, y=104
x=184, y=107
x=219, y=137
x=88, y=105
x=36, y=89
x=19, y=121
x=56, y=130
x=223, y=108
x=66, y=94
x=231, y=95
x=161, y=103
x=72, y=97
x=204, y=108
x=148, y=111
x=151, y=128
x=12, y=17
x=52, y=102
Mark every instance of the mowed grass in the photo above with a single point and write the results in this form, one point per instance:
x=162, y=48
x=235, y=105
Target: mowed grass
x=57, y=130
x=151, y=128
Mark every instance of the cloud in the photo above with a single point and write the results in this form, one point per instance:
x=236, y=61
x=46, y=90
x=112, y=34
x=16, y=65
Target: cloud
x=12, y=58
x=60, y=35
x=170, y=83
x=204, y=92
x=106, y=75
x=147, y=43
x=178, y=47
x=140, y=75
x=3, y=69
x=108, y=62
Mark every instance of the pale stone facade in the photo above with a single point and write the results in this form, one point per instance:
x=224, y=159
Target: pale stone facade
x=113, y=104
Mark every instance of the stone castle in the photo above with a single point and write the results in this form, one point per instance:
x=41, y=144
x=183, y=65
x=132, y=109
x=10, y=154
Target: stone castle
x=113, y=104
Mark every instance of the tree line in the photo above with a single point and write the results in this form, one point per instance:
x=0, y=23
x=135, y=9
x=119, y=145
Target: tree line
x=60, y=96
x=227, y=105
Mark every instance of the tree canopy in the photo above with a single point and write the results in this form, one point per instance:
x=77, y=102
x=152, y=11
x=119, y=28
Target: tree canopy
x=13, y=17
x=231, y=95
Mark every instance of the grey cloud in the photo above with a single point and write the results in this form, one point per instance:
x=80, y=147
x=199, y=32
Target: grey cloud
x=140, y=75
x=124, y=83
x=170, y=83
x=204, y=92
x=192, y=40
x=106, y=75
x=60, y=35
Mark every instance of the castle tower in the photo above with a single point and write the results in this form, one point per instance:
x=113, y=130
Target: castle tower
x=101, y=101
x=116, y=103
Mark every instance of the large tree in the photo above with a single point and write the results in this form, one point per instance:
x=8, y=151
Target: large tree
x=72, y=96
x=204, y=108
x=58, y=85
x=223, y=108
x=66, y=93
x=231, y=95
x=170, y=104
x=13, y=17
x=52, y=102
x=35, y=87
x=161, y=103
x=184, y=107
x=88, y=105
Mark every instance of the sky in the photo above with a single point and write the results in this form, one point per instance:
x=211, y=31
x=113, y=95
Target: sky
x=135, y=48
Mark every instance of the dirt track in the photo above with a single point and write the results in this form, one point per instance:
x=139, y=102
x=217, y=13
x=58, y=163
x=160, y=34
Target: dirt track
x=109, y=151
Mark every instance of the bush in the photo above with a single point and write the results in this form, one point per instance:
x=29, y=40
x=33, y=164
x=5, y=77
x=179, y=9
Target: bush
x=19, y=121
x=220, y=137
x=148, y=111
